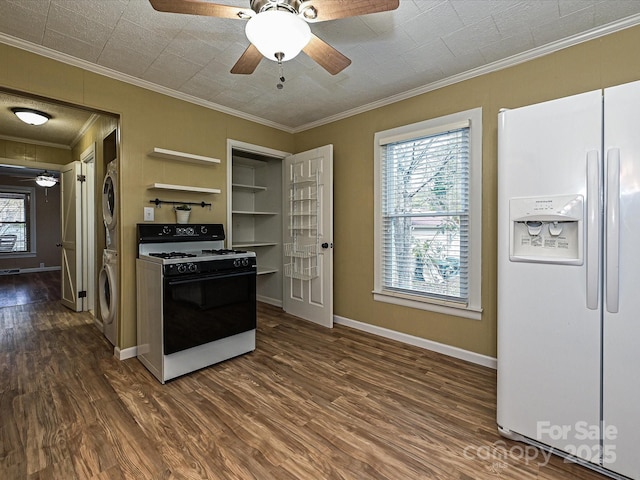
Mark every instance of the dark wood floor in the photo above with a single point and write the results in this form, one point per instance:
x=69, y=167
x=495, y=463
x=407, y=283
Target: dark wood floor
x=25, y=288
x=310, y=403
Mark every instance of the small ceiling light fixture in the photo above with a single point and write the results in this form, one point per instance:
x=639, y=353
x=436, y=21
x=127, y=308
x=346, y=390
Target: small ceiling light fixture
x=45, y=179
x=31, y=116
x=278, y=35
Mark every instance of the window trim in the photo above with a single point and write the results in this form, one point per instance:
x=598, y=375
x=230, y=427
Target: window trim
x=473, y=308
x=32, y=252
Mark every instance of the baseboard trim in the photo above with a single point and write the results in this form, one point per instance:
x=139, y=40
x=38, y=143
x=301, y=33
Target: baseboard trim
x=448, y=350
x=126, y=353
x=15, y=271
x=269, y=300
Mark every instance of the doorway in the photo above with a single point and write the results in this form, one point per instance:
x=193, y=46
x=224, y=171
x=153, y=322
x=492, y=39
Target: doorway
x=73, y=134
x=281, y=207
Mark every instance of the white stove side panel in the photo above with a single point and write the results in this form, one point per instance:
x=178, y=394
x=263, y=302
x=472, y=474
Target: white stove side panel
x=149, y=313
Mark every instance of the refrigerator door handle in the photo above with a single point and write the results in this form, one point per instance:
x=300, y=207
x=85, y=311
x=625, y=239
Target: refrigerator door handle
x=612, y=230
x=593, y=227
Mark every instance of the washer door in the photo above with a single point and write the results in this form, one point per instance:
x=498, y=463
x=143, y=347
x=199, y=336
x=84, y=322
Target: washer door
x=108, y=294
x=110, y=199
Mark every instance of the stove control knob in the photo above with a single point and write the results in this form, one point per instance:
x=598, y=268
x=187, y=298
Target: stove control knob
x=237, y=262
x=245, y=262
x=182, y=268
x=203, y=229
x=166, y=230
x=192, y=267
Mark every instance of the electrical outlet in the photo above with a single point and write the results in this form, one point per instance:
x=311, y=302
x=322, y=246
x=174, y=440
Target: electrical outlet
x=148, y=214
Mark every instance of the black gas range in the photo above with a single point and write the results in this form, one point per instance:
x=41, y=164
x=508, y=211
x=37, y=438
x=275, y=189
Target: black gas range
x=196, y=299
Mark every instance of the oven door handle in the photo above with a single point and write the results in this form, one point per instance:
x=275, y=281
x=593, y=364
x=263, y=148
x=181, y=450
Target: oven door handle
x=203, y=278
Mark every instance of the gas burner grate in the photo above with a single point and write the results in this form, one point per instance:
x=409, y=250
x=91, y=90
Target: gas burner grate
x=222, y=251
x=173, y=255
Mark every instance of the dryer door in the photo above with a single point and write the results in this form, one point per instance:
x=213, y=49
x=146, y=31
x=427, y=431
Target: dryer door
x=108, y=292
x=110, y=199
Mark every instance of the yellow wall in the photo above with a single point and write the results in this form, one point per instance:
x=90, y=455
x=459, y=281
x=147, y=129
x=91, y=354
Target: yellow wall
x=147, y=120
x=152, y=120
x=599, y=63
x=29, y=153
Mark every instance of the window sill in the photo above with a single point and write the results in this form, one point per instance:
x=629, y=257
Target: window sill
x=447, y=308
x=17, y=254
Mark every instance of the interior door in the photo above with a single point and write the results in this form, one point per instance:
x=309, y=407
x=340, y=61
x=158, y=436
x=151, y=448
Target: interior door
x=71, y=232
x=308, y=235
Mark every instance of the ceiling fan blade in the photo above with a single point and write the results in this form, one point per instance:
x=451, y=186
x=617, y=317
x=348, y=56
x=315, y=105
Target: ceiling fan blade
x=248, y=62
x=333, y=9
x=326, y=56
x=200, y=7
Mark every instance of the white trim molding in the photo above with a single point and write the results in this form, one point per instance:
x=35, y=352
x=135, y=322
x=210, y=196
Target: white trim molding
x=430, y=345
x=126, y=353
x=491, y=67
x=498, y=65
x=123, y=77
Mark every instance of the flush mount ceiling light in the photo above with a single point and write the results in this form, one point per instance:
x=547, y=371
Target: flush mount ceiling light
x=31, y=116
x=278, y=35
x=45, y=179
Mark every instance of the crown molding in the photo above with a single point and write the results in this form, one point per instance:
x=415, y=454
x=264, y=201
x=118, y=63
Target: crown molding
x=123, y=77
x=35, y=142
x=523, y=57
x=87, y=125
x=532, y=54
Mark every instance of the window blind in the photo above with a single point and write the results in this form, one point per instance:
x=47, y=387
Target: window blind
x=14, y=219
x=425, y=214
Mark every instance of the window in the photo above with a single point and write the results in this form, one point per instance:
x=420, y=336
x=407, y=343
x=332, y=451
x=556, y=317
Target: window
x=17, y=218
x=428, y=214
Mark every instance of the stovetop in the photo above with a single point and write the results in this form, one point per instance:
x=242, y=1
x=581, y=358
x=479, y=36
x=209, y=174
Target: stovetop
x=172, y=255
x=171, y=244
x=201, y=255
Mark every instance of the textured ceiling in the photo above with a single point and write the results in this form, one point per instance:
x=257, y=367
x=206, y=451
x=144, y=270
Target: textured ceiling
x=62, y=130
x=419, y=44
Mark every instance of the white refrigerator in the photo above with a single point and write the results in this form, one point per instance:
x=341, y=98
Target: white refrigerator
x=569, y=277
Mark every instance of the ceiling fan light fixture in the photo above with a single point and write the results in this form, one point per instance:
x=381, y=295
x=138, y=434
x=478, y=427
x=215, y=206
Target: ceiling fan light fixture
x=273, y=32
x=31, y=116
x=46, y=180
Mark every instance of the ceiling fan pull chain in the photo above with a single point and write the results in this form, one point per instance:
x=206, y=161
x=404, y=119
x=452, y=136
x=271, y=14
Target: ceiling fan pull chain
x=280, y=85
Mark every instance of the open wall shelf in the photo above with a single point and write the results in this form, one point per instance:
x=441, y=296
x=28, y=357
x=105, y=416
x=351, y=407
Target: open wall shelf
x=181, y=156
x=182, y=188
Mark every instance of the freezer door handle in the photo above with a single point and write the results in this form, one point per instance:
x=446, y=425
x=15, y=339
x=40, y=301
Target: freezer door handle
x=593, y=227
x=612, y=230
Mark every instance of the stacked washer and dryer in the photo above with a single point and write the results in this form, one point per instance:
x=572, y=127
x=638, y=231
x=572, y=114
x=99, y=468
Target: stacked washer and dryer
x=108, y=280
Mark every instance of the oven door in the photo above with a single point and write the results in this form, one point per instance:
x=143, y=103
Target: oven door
x=203, y=308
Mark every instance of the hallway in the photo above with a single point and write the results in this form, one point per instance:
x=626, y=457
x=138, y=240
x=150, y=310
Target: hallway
x=26, y=288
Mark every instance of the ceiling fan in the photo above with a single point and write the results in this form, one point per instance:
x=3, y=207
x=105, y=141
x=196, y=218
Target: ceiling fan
x=279, y=29
x=45, y=179
x=42, y=178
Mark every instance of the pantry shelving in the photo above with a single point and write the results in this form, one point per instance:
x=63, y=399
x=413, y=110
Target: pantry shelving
x=256, y=218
